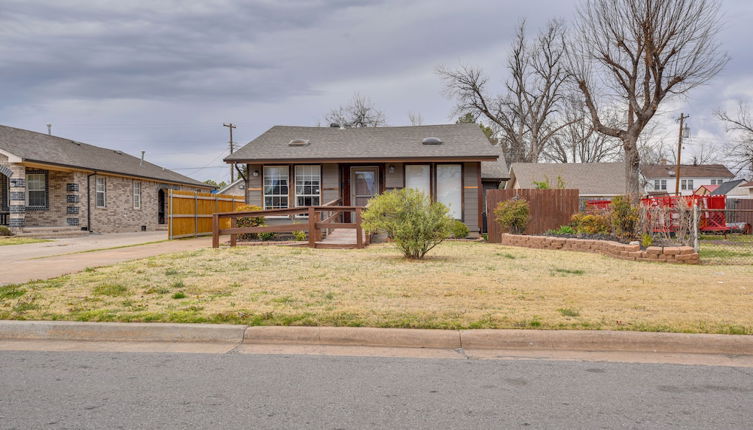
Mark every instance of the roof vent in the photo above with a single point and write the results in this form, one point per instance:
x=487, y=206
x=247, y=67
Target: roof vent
x=117, y=152
x=334, y=125
x=298, y=142
x=432, y=141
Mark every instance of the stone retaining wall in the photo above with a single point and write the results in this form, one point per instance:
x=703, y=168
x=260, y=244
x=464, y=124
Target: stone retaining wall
x=658, y=254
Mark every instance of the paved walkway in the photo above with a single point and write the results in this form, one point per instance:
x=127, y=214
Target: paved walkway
x=22, y=263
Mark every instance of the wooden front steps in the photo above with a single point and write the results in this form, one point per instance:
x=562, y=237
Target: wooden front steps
x=340, y=239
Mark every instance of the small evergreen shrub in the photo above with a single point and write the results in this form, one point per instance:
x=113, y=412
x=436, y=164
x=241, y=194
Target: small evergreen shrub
x=591, y=223
x=459, y=230
x=624, y=218
x=267, y=235
x=249, y=221
x=647, y=240
x=299, y=235
x=513, y=215
x=5, y=231
x=410, y=219
x=564, y=230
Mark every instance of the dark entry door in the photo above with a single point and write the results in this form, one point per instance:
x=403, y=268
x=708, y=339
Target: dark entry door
x=161, y=206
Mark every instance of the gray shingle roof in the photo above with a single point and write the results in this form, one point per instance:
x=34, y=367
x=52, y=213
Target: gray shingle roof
x=598, y=179
x=42, y=148
x=726, y=187
x=495, y=169
x=458, y=141
x=686, y=171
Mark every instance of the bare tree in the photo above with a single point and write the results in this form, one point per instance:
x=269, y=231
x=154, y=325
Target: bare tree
x=636, y=53
x=525, y=114
x=578, y=141
x=361, y=112
x=740, y=126
x=415, y=118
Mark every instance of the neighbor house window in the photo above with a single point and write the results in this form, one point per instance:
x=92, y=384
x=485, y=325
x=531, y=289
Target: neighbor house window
x=101, y=192
x=717, y=181
x=660, y=184
x=686, y=185
x=450, y=188
x=275, y=187
x=36, y=189
x=308, y=181
x=137, y=195
x=418, y=177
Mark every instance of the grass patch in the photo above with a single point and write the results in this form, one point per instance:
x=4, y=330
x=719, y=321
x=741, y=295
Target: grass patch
x=179, y=295
x=460, y=285
x=112, y=290
x=6, y=241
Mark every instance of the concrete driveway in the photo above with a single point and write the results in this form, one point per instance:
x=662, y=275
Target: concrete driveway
x=24, y=263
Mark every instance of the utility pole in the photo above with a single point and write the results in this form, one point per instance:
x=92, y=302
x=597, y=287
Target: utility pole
x=682, y=119
x=231, y=126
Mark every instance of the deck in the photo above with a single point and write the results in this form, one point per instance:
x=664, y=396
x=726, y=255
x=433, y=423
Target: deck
x=341, y=238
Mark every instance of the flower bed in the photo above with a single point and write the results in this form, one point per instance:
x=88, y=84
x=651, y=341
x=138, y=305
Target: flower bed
x=658, y=254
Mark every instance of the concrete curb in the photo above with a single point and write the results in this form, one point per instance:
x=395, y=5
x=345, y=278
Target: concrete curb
x=120, y=332
x=354, y=336
x=552, y=340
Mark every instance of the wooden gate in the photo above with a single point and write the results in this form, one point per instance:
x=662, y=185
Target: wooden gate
x=549, y=209
x=189, y=214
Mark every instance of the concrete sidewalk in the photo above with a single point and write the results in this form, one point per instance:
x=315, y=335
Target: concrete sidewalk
x=22, y=262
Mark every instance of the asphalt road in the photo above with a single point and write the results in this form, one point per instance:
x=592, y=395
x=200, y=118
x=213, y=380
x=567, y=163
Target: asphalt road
x=158, y=390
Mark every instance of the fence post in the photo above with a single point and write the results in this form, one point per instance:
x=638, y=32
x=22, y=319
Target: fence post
x=233, y=236
x=195, y=214
x=215, y=231
x=359, y=230
x=312, y=227
x=696, y=243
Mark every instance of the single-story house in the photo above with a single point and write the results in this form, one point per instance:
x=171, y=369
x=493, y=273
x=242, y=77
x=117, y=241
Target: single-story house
x=738, y=189
x=235, y=188
x=594, y=181
x=48, y=181
x=292, y=166
x=661, y=178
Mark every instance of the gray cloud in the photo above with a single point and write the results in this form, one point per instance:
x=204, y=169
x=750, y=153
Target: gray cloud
x=163, y=76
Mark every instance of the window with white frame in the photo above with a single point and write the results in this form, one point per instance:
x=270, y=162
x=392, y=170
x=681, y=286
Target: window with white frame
x=686, y=184
x=717, y=181
x=450, y=188
x=101, y=192
x=418, y=177
x=308, y=180
x=36, y=189
x=276, y=187
x=660, y=184
x=137, y=195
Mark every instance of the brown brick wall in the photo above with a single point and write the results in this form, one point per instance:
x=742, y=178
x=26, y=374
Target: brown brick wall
x=679, y=254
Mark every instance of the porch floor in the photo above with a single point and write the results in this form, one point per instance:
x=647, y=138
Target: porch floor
x=341, y=238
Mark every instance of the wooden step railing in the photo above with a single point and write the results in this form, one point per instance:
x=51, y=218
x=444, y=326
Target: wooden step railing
x=4, y=217
x=321, y=219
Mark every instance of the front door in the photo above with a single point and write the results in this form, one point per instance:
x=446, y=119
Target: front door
x=364, y=184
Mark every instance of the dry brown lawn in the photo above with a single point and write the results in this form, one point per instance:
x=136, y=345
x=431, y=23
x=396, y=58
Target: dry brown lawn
x=459, y=285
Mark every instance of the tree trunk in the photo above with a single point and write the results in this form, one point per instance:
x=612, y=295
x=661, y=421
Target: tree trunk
x=632, y=168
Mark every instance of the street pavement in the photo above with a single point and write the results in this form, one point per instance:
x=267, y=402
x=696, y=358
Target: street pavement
x=97, y=390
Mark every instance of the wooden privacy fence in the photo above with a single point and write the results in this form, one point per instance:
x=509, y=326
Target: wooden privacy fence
x=549, y=209
x=189, y=213
x=321, y=220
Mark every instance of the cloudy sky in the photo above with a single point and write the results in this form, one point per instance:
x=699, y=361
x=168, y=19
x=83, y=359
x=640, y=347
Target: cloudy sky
x=163, y=76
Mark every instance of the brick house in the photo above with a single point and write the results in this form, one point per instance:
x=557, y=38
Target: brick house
x=51, y=183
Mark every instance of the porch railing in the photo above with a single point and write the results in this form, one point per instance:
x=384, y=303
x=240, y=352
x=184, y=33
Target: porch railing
x=321, y=220
x=4, y=217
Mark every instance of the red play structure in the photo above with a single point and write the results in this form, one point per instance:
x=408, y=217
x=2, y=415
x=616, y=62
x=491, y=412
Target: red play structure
x=710, y=221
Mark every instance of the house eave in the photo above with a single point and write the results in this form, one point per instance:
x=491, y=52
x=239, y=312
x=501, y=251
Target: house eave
x=361, y=159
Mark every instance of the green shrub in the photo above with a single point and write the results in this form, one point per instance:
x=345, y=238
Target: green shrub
x=562, y=231
x=267, y=235
x=299, y=235
x=513, y=215
x=647, y=240
x=249, y=221
x=5, y=231
x=624, y=218
x=459, y=230
x=591, y=223
x=410, y=219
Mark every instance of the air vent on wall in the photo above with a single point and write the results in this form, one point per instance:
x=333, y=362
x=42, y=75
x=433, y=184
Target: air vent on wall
x=298, y=142
x=432, y=141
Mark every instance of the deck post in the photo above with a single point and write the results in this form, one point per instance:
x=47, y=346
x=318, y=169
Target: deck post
x=359, y=230
x=233, y=237
x=215, y=231
x=312, y=227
